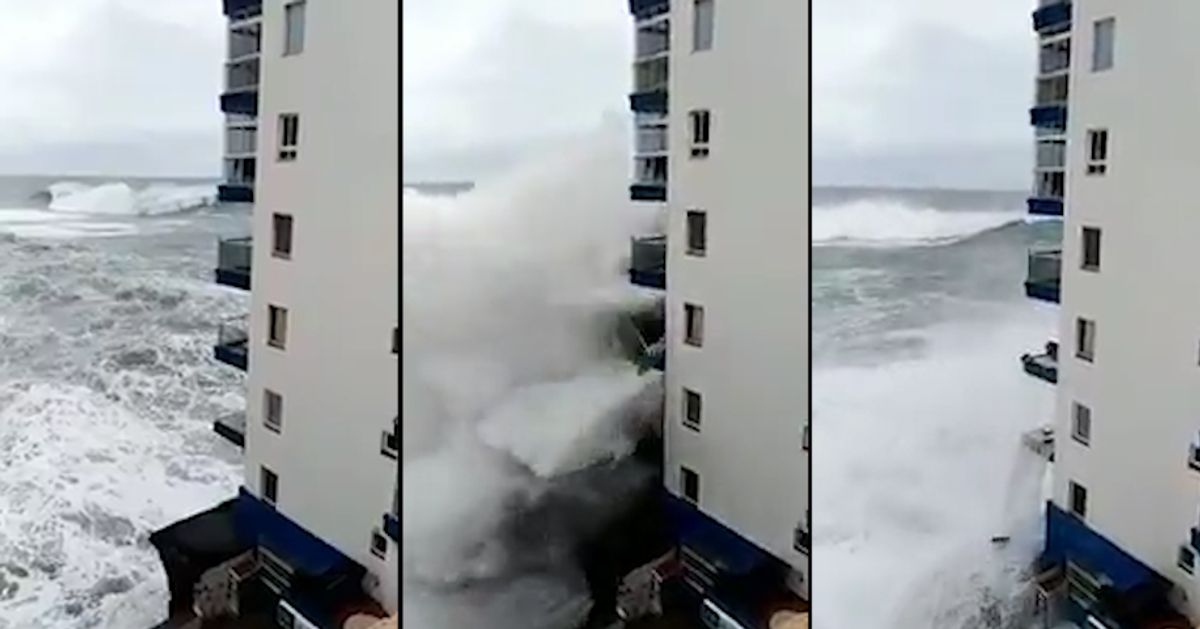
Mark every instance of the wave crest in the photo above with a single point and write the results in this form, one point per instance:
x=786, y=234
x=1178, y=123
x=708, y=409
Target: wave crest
x=120, y=199
x=889, y=223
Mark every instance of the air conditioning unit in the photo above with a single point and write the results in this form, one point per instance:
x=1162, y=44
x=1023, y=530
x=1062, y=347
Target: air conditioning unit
x=287, y=617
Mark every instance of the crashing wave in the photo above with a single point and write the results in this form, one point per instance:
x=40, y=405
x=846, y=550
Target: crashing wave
x=120, y=199
x=877, y=223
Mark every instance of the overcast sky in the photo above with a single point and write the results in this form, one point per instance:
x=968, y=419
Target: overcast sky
x=110, y=86
x=912, y=93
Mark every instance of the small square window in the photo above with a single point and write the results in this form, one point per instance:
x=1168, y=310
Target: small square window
x=293, y=41
x=270, y=486
x=697, y=232
x=379, y=544
x=281, y=236
x=289, y=136
x=693, y=333
x=389, y=445
x=1085, y=339
x=1091, y=249
x=691, y=409
x=690, y=481
x=277, y=326
x=1187, y=559
x=1078, y=495
x=700, y=122
x=1081, y=423
x=1097, y=162
x=273, y=410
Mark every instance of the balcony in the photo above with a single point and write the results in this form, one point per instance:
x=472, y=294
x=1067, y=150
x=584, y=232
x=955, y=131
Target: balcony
x=235, y=193
x=233, y=8
x=649, y=101
x=1045, y=274
x=1053, y=16
x=233, y=341
x=1044, y=365
x=1049, y=116
x=648, y=262
x=391, y=527
x=642, y=335
x=1045, y=206
x=233, y=262
x=233, y=428
x=243, y=102
x=1048, y=191
x=646, y=9
x=648, y=192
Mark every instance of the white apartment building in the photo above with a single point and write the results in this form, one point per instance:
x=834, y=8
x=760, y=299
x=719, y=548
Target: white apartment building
x=1114, y=94
x=316, y=522
x=721, y=106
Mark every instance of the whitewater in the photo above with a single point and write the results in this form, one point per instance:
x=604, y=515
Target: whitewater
x=919, y=402
x=107, y=391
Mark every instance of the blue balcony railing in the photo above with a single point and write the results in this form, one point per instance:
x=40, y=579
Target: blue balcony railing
x=648, y=262
x=233, y=342
x=233, y=262
x=233, y=428
x=240, y=7
x=1052, y=18
x=643, y=9
x=649, y=101
x=1049, y=116
x=1045, y=275
x=235, y=193
x=240, y=102
x=1045, y=206
x=648, y=192
x=391, y=527
x=1043, y=366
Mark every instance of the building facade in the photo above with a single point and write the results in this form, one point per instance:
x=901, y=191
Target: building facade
x=720, y=105
x=1112, y=101
x=314, y=532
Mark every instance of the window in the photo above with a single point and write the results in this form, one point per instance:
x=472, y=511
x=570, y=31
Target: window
x=270, y=486
x=691, y=409
x=1078, y=500
x=803, y=537
x=1103, y=38
x=289, y=136
x=379, y=545
x=700, y=122
x=1194, y=457
x=1187, y=559
x=389, y=445
x=272, y=410
x=277, y=326
x=1091, y=249
x=697, y=233
x=281, y=236
x=395, y=340
x=806, y=440
x=1085, y=339
x=293, y=41
x=693, y=325
x=1081, y=423
x=1097, y=162
x=702, y=25
x=691, y=484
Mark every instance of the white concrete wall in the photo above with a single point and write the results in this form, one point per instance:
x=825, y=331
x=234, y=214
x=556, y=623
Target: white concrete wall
x=1144, y=386
x=337, y=375
x=753, y=282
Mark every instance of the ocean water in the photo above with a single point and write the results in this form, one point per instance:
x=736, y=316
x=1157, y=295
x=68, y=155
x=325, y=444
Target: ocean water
x=108, y=391
x=919, y=401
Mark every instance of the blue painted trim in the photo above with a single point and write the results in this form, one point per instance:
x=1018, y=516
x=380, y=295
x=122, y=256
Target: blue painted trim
x=1052, y=18
x=1070, y=538
x=391, y=527
x=245, y=102
x=230, y=433
x=1049, y=116
x=1045, y=291
x=648, y=192
x=231, y=7
x=730, y=552
x=236, y=278
x=651, y=102
x=1049, y=374
x=304, y=552
x=235, y=193
x=232, y=355
x=644, y=9
x=656, y=278
x=1045, y=206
